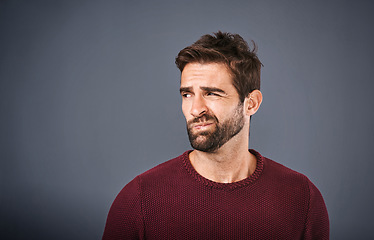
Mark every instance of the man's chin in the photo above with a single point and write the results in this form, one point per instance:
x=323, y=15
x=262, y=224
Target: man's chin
x=202, y=143
x=203, y=148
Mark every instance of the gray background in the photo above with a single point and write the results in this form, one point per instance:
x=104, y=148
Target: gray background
x=89, y=99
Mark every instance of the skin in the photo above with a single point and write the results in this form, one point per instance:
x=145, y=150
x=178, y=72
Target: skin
x=208, y=89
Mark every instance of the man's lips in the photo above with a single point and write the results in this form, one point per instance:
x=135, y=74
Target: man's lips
x=202, y=125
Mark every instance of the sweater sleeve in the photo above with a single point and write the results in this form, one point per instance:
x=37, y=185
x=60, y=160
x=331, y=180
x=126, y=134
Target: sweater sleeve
x=125, y=219
x=317, y=222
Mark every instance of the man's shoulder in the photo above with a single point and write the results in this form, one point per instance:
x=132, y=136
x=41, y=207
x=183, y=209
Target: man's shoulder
x=160, y=175
x=284, y=175
x=165, y=169
x=281, y=169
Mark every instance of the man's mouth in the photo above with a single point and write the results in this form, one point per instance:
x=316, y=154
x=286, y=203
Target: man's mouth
x=202, y=125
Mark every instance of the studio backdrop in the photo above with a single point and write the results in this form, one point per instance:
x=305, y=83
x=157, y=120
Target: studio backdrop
x=89, y=98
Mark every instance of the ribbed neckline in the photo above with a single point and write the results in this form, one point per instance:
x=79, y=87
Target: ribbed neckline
x=224, y=186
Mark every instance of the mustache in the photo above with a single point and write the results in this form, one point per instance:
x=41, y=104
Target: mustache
x=203, y=118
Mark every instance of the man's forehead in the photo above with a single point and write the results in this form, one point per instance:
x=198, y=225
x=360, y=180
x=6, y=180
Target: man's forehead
x=206, y=75
x=196, y=66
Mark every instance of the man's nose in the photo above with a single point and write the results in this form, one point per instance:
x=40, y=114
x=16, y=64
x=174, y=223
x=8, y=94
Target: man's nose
x=199, y=107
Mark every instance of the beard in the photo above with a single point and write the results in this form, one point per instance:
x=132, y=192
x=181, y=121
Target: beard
x=212, y=140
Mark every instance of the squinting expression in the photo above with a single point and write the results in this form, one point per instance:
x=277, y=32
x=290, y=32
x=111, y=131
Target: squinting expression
x=211, y=106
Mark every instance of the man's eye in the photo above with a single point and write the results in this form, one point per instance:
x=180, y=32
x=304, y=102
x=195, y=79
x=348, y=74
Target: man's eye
x=212, y=94
x=186, y=95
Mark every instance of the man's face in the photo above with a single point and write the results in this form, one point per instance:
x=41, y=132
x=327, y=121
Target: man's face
x=211, y=106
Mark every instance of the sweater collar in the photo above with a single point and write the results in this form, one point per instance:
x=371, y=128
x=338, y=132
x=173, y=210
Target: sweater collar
x=225, y=186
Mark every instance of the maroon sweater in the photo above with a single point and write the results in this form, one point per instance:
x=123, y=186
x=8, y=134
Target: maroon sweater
x=172, y=201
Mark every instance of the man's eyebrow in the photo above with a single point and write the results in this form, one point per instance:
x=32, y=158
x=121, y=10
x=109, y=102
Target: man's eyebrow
x=212, y=89
x=185, y=89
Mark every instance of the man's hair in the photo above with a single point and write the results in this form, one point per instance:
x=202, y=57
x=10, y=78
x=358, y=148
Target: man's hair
x=231, y=50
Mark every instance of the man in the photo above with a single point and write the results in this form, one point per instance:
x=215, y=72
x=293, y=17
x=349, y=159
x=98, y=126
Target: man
x=220, y=190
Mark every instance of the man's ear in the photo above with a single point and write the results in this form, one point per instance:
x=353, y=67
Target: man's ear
x=252, y=102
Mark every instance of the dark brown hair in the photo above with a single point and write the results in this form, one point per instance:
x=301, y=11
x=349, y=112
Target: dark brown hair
x=231, y=50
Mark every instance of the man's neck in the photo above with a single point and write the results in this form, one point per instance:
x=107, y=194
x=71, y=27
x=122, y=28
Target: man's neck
x=231, y=163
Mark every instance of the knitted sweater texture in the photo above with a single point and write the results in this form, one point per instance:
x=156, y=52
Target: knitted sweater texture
x=173, y=201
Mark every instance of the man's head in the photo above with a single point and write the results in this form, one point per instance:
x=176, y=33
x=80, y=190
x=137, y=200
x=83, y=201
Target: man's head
x=211, y=106
x=220, y=78
x=231, y=50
